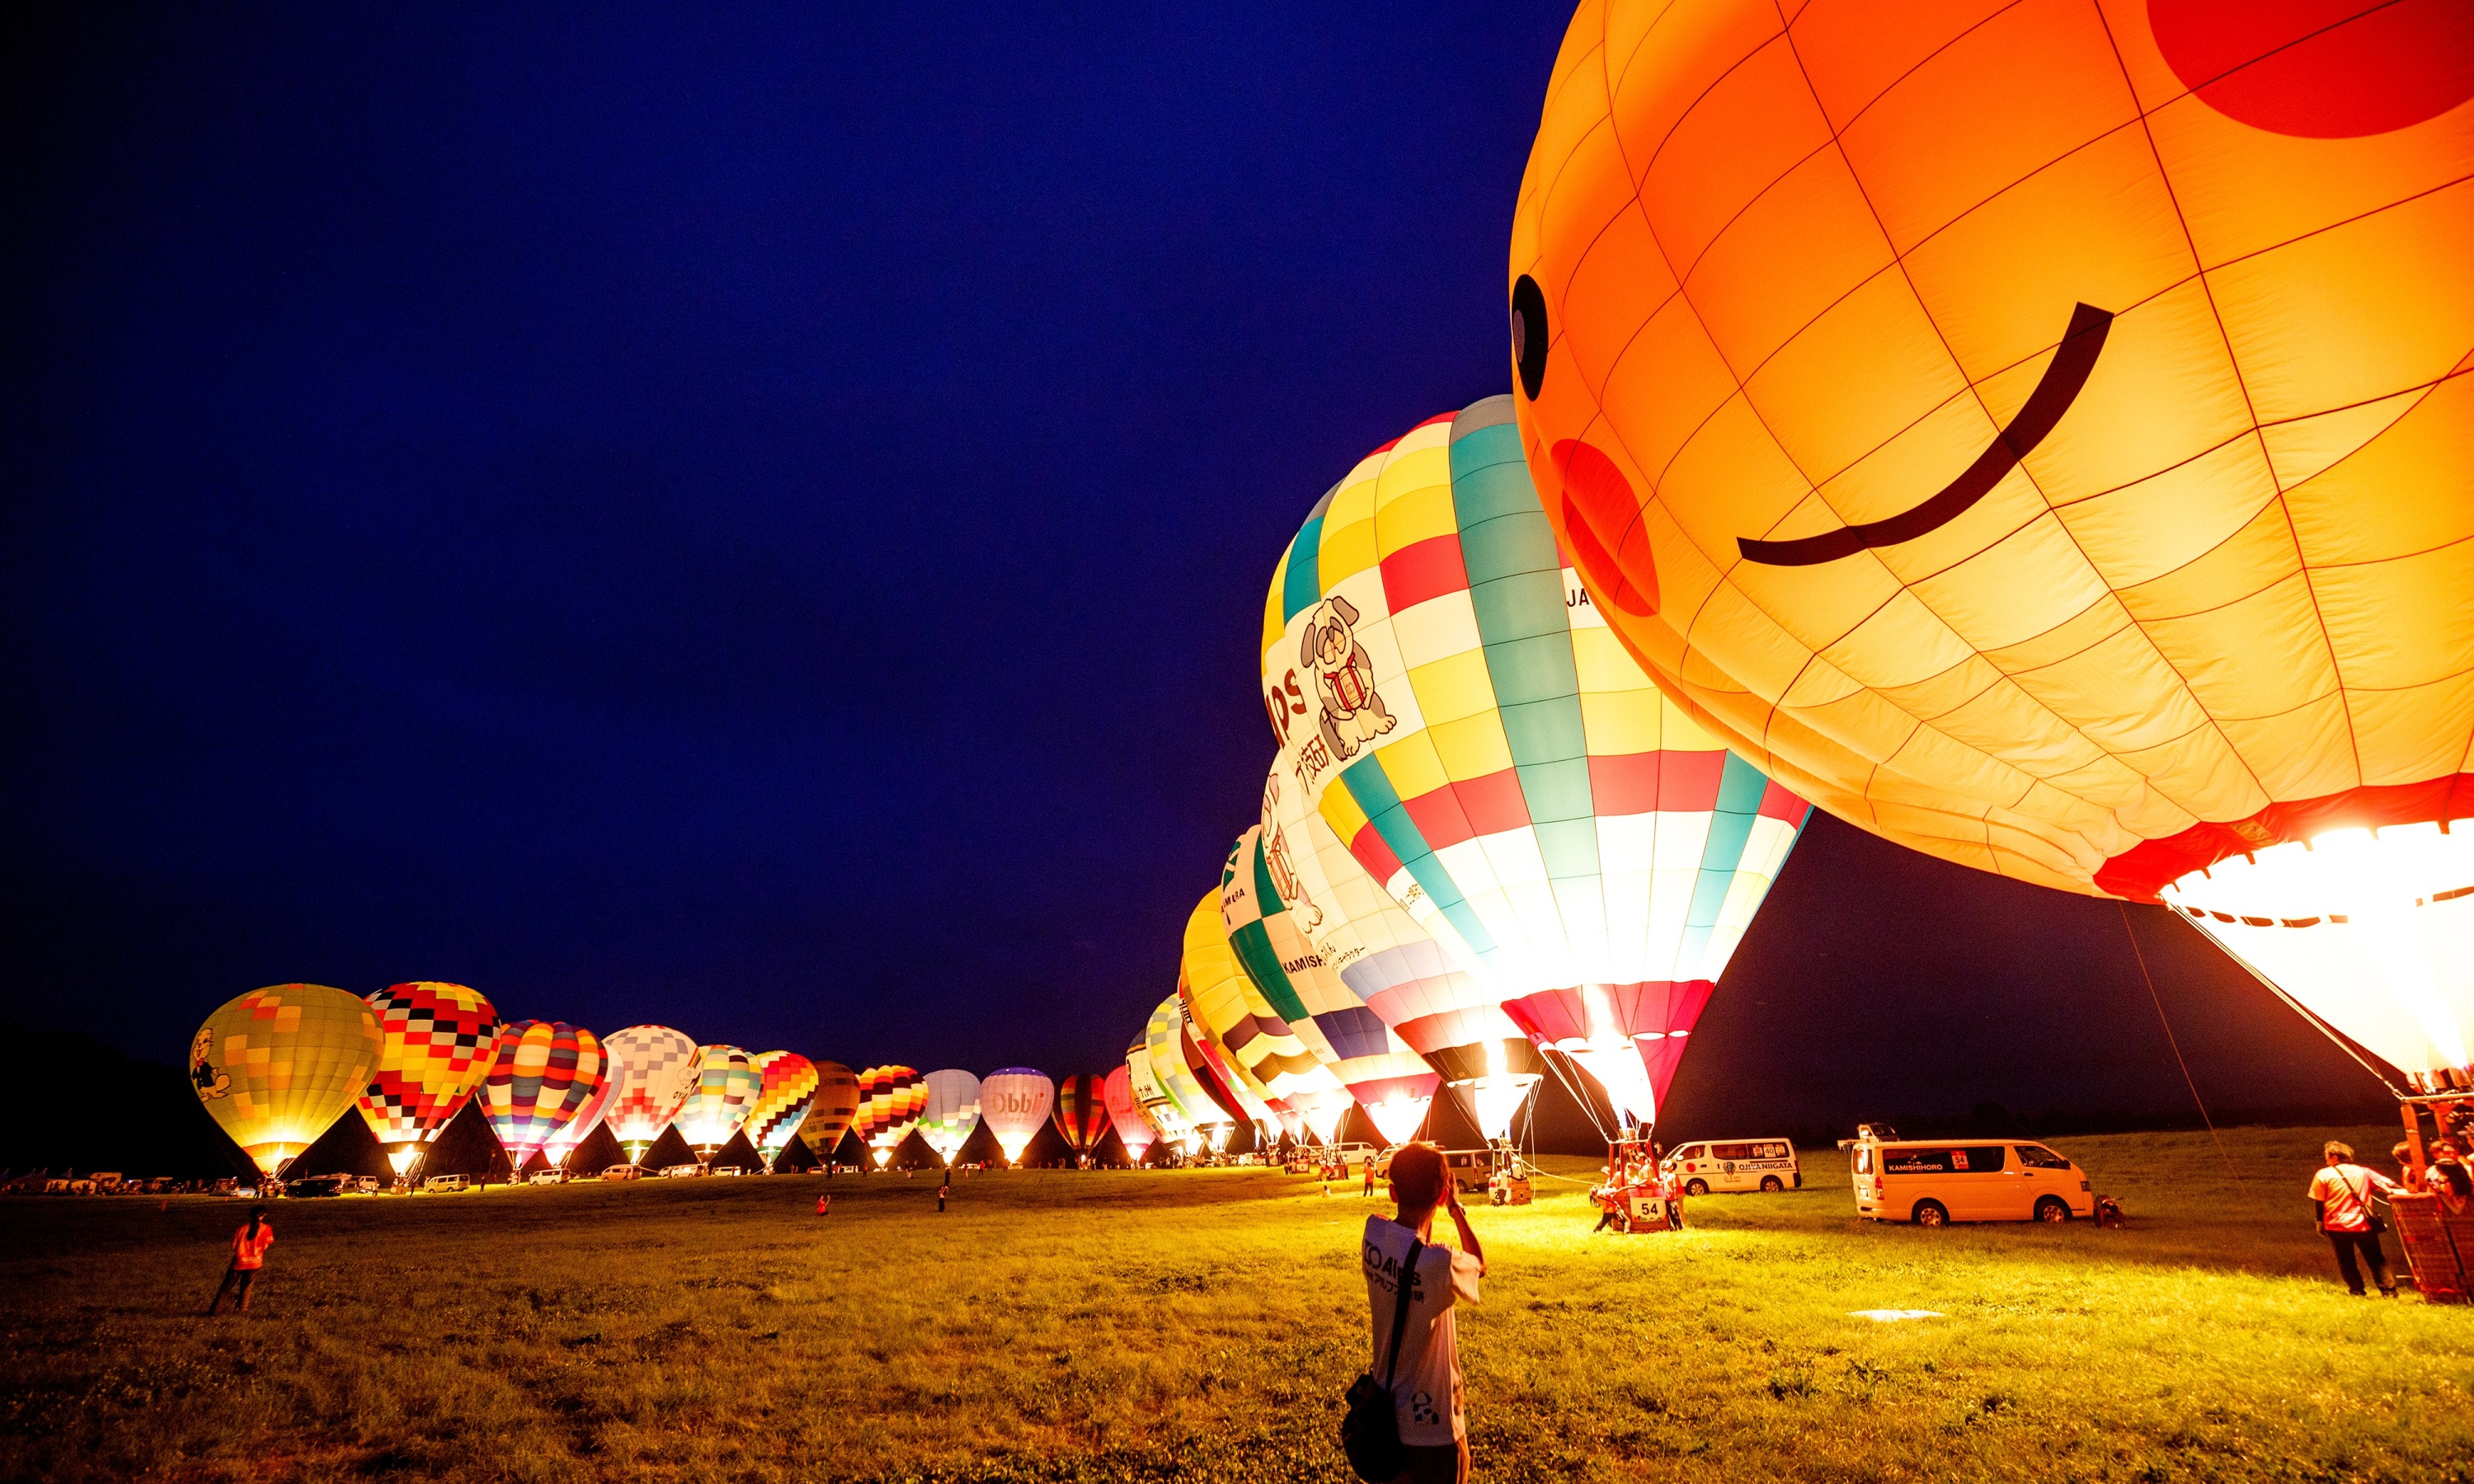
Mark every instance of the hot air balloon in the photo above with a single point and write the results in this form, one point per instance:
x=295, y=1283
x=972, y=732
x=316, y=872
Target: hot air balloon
x=2057, y=456
x=726, y=1085
x=1265, y=1052
x=1146, y=1099
x=1209, y=1066
x=546, y=1074
x=1084, y=1114
x=656, y=1069
x=830, y=1116
x=1126, y=1112
x=1406, y=963
x=787, y=1087
x=1476, y=736
x=1199, y=1120
x=441, y=1039
x=278, y=1066
x=1015, y=1102
x=890, y=1099
x=564, y=1141
x=952, y=1115
x=1391, y=1082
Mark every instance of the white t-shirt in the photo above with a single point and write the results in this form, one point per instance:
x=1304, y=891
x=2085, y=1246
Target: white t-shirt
x=1426, y=1387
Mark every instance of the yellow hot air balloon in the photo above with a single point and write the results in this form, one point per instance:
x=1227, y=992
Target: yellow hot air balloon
x=1263, y=1050
x=278, y=1066
x=2043, y=435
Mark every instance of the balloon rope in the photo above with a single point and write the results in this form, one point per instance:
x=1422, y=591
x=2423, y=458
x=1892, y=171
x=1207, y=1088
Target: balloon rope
x=2159, y=1003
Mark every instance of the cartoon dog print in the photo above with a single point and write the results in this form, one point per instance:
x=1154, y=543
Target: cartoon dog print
x=1352, y=713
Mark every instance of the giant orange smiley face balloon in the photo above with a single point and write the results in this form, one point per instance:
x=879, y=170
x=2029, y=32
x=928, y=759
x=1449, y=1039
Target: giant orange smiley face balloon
x=2041, y=433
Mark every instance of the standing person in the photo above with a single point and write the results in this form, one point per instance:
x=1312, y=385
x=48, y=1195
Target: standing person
x=1370, y=1176
x=1426, y=1374
x=247, y=1254
x=943, y=1188
x=2341, y=1194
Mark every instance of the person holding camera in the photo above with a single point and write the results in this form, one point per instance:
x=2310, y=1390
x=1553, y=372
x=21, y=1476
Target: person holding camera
x=1419, y=1351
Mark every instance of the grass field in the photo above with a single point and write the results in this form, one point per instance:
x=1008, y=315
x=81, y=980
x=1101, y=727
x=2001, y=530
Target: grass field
x=1202, y=1325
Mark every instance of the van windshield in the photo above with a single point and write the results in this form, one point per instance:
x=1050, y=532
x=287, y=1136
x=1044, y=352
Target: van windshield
x=2036, y=1157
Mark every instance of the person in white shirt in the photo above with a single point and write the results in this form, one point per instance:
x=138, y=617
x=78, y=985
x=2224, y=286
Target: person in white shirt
x=1426, y=1380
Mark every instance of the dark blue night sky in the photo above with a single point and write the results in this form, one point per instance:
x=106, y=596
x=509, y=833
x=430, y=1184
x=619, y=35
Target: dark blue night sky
x=760, y=524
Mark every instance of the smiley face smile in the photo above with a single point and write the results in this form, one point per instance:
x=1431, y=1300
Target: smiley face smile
x=2059, y=387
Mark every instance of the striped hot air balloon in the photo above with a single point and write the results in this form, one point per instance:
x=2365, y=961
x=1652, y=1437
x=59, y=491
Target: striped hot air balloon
x=1387, y=1080
x=830, y=1114
x=276, y=1066
x=1126, y=1112
x=1203, y=1120
x=546, y=1074
x=656, y=1069
x=890, y=1100
x=1449, y=700
x=786, y=1087
x=952, y=1113
x=576, y=1130
x=1084, y=1112
x=440, y=1040
x=724, y=1093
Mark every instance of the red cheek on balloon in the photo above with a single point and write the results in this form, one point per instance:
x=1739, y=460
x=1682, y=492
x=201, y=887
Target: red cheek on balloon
x=1597, y=497
x=2320, y=69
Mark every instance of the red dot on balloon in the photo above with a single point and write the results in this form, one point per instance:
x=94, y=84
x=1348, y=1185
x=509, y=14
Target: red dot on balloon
x=2320, y=69
x=1596, y=495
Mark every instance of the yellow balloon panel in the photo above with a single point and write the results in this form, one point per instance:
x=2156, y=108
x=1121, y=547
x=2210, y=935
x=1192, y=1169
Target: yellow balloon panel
x=2040, y=434
x=278, y=1066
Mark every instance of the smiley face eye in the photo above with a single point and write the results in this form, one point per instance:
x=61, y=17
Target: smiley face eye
x=1529, y=335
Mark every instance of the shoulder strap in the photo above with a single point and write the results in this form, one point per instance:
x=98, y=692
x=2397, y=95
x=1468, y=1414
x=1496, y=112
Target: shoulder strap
x=1401, y=1294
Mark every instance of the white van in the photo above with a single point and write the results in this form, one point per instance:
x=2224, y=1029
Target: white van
x=1734, y=1164
x=1934, y=1182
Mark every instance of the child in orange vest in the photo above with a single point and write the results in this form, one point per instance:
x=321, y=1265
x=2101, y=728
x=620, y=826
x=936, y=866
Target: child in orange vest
x=247, y=1254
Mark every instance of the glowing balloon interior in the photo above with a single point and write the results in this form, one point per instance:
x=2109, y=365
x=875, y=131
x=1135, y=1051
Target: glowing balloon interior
x=656, y=1068
x=276, y=1066
x=440, y=1040
x=1015, y=1103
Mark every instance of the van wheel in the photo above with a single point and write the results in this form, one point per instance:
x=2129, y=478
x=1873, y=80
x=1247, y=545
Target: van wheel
x=1772, y=1183
x=1932, y=1213
x=1696, y=1187
x=2053, y=1209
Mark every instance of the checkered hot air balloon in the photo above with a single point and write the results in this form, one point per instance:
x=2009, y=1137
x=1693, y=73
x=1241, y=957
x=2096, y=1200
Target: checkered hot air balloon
x=789, y=1085
x=576, y=1130
x=1390, y=1081
x=1084, y=1112
x=830, y=1114
x=725, y=1092
x=278, y=1066
x=890, y=1100
x=656, y=1069
x=547, y=1073
x=1015, y=1102
x=440, y=1040
x=1446, y=694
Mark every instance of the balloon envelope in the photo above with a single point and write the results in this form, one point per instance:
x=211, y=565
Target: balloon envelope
x=1199, y=1119
x=1015, y=1102
x=656, y=1069
x=890, y=1099
x=2057, y=461
x=1459, y=714
x=787, y=1087
x=952, y=1113
x=1125, y=1115
x=1084, y=1110
x=835, y=1105
x=440, y=1040
x=546, y=1074
x=276, y=1066
x=576, y=1130
x=1158, y=1113
x=1264, y=1052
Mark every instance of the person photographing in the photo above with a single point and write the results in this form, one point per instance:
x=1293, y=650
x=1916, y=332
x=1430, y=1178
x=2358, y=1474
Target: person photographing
x=1411, y=1286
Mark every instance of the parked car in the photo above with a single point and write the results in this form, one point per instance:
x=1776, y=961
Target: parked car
x=314, y=1185
x=550, y=1177
x=444, y=1182
x=1734, y=1164
x=681, y=1171
x=729, y=1169
x=622, y=1172
x=1469, y=1167
x=1935, y=1182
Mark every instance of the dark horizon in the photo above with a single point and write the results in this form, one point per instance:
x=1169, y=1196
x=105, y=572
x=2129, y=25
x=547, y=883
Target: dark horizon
x=763, y=529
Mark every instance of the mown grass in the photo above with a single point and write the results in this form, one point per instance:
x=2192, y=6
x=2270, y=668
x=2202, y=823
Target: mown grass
x=1203, y=1325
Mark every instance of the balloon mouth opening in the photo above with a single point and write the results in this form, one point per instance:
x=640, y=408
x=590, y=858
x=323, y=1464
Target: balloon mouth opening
x=1398, y=1118
x=403, y=1158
